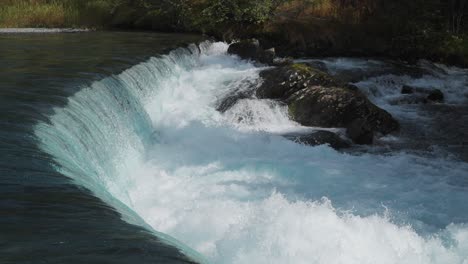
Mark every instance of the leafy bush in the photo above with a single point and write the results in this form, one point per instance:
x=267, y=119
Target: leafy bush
x=239, y=11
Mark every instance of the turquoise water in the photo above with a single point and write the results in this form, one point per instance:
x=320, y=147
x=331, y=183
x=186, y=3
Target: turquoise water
x=45, y=216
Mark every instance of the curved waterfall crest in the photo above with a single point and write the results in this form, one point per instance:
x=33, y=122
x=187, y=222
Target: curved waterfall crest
x=150, y=143
x=104, y=128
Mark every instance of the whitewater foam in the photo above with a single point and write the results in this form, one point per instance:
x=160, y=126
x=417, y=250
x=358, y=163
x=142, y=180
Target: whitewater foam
x=151, y=143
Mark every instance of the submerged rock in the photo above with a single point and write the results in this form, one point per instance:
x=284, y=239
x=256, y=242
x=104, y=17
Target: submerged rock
x=435, y=96
x=409, y=99
x=232, y=99
x=315, y=98
x=321, y=137
x=418, y=95
x=406, y=89
x=360, y=132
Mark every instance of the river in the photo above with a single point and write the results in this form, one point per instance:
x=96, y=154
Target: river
x=112, y=151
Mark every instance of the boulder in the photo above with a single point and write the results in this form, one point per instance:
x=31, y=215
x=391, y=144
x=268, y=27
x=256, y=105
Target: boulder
x=406, y=89
x=246, y=49
x=232, y=99
x=250, y=49
x=417, y=95
x=360, y=132
x=319, y=65
x=435, y=96
x=321, y=137
x=316, y=99
x=267, y=56
x=282, y=82
x=409, y=99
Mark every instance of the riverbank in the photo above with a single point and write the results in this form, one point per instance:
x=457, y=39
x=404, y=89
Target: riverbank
x=318, y=39
x=42, y=30
x=55, y=13
x=403, y=31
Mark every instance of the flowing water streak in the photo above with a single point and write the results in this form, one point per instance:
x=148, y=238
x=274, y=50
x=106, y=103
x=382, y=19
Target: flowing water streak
x=150, y=143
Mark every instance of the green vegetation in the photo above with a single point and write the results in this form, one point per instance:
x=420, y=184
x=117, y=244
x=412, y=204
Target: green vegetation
x=56, y=13
x=405, y=29
x=187, y=15
x=302, y=68
x=23, y=14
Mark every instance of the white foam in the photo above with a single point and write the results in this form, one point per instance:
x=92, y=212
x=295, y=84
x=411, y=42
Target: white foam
x=234, y=198
x=238, y=193
x=262, y=115
x=230, y=191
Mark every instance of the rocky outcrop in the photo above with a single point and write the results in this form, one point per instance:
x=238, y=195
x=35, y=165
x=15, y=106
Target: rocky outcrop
x=250, y=49
x=316, y=99
x=435, y=96
x=267, y=56
x=232, y=99
x=245, y=49
x=419, y=95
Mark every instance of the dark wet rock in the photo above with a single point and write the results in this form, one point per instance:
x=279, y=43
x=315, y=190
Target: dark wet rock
x=319, y=65
x=321, y=137
x=232, y=99
x=409, y=99
x=246, y=49
x=338, y=107
x=360, y=132
x=351, y=87
x=250, y=49
x=443, y=130
x=316, y=99
x=282, y=82
x=267, y=56
x=435, y=96
x=406, y=89
x=418, y=95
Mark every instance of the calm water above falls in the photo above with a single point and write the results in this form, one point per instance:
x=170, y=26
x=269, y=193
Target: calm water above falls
x=105, y=165
x=44, y=216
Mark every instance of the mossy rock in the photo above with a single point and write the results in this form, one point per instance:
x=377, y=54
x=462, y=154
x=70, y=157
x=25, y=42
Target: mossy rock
x=316, y=99
x=303, y=68
x=282, y=82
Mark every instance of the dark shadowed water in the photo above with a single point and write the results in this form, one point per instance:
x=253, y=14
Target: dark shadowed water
x=44, y=217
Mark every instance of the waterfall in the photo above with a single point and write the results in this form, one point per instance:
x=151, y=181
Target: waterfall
x=150, y=143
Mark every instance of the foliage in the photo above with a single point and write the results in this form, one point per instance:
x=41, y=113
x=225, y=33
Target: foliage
x=405, y=28
x=239, y=11
x=23, y=14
